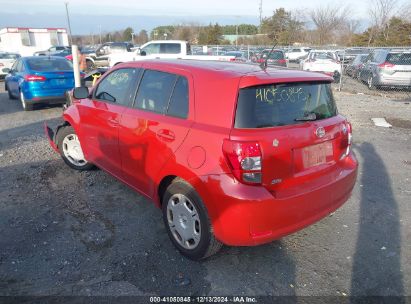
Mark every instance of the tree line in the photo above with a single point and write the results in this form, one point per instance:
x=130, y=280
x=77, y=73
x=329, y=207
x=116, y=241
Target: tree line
x=389, y=24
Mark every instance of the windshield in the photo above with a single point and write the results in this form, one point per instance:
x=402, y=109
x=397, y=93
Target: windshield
x=283, y=104
x=49, y=64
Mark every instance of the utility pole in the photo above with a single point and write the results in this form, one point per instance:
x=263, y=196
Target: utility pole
x=260, y=9
x=100, y=33
x=68, y=22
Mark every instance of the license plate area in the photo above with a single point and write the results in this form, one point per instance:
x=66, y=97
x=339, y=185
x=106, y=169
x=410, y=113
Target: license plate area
x=309, y=158
x=317, y=154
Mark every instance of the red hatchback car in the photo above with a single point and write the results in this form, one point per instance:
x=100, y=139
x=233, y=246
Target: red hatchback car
x=233, y=154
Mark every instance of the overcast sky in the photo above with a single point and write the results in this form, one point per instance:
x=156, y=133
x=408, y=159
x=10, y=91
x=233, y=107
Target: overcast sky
x=171, y=7
x=85, y=13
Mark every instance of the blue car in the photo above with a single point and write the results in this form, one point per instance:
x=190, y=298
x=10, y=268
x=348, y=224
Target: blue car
x=39, y=79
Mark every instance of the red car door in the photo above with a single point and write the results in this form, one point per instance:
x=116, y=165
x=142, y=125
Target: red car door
x=100, y=117
x=155, y=127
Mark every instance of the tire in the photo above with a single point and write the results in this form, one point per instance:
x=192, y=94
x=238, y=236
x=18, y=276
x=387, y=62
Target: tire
x=24, y=104
x=90, y=65
x=70, y=149
x=371, y=83
x=180, y=197
x=8, y=92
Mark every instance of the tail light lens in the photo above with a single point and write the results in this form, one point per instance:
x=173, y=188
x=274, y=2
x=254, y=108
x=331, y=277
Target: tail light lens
x=386, y=68
x=33, y=78
x=244, y=159
x=282, y=61
x=348, y=141
x=232, y=59
x=386, y=65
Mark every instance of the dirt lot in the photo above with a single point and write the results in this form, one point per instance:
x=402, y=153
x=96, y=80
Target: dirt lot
x=70, y=233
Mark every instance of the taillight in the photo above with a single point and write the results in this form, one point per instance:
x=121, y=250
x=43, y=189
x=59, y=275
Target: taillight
x=232, y=59
x=348, y=141
x=244, y=159
x=386, y=65
x=34, y=78
x=1, y=64
x=282, y=61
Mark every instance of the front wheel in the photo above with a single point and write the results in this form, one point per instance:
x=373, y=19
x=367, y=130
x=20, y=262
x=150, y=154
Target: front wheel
x=187, y=222
x=70, y=149
x=24, y=104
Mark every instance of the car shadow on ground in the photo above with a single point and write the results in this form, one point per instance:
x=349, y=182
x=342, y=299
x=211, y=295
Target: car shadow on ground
x=377, y=259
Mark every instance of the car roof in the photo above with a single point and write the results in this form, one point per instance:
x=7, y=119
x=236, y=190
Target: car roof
x=236, y=70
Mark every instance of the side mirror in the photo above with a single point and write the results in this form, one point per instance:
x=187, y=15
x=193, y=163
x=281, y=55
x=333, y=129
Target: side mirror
x=6, y=70
x=80, y=93
x=143, y=53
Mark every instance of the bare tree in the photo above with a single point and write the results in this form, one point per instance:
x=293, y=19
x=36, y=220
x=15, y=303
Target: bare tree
x=327, y=20
x=381, y=12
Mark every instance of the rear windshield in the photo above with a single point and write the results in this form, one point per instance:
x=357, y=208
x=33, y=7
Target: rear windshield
x=399, y=58
x=322, y=55
x=275, y=55
x=9, y=56
x=49, y=64
x=284, y=104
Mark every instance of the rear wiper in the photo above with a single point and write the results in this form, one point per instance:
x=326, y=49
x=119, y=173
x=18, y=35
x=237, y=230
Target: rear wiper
x=307, y=117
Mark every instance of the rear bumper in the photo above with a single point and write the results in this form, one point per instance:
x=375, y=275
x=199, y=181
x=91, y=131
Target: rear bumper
x=246, y=215
x=47, y=100
x=388, y=81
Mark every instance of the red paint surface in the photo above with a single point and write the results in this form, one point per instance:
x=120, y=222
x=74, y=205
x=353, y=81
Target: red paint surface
x=142, y=148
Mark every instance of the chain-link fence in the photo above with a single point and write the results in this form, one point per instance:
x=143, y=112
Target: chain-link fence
x=380, y=71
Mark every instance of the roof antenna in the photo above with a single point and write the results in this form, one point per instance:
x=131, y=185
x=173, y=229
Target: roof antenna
x=264, y=64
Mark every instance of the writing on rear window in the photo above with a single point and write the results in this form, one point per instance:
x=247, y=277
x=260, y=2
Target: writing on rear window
x=272, y=94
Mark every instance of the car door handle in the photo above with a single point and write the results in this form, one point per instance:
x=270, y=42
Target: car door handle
x=166, y=135
x=112, y=122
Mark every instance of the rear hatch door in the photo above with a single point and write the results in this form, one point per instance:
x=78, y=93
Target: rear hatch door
x=300, y=134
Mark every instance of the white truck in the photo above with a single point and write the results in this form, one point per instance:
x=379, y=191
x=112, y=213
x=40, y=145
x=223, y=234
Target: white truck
x=164, y=49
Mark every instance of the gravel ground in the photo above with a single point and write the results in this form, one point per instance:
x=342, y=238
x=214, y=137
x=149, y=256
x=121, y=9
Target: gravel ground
x=69, y=233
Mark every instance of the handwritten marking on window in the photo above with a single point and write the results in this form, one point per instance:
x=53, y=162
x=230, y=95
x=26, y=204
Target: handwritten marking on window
x=274, y=94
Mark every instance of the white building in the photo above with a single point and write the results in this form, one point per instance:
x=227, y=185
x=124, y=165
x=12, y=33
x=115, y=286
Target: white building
x=26, y=41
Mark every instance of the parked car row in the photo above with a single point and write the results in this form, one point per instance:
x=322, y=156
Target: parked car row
x=382, y=68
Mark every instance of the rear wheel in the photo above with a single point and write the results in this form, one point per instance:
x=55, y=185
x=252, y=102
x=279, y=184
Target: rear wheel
x=187, y=222
x=8, y=91
x=24, y=104
x=70, y=149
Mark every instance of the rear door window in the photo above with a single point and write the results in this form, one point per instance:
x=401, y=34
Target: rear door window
x=170, y=48
x=155, y=91
x=178, y=106
x=284, y=104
